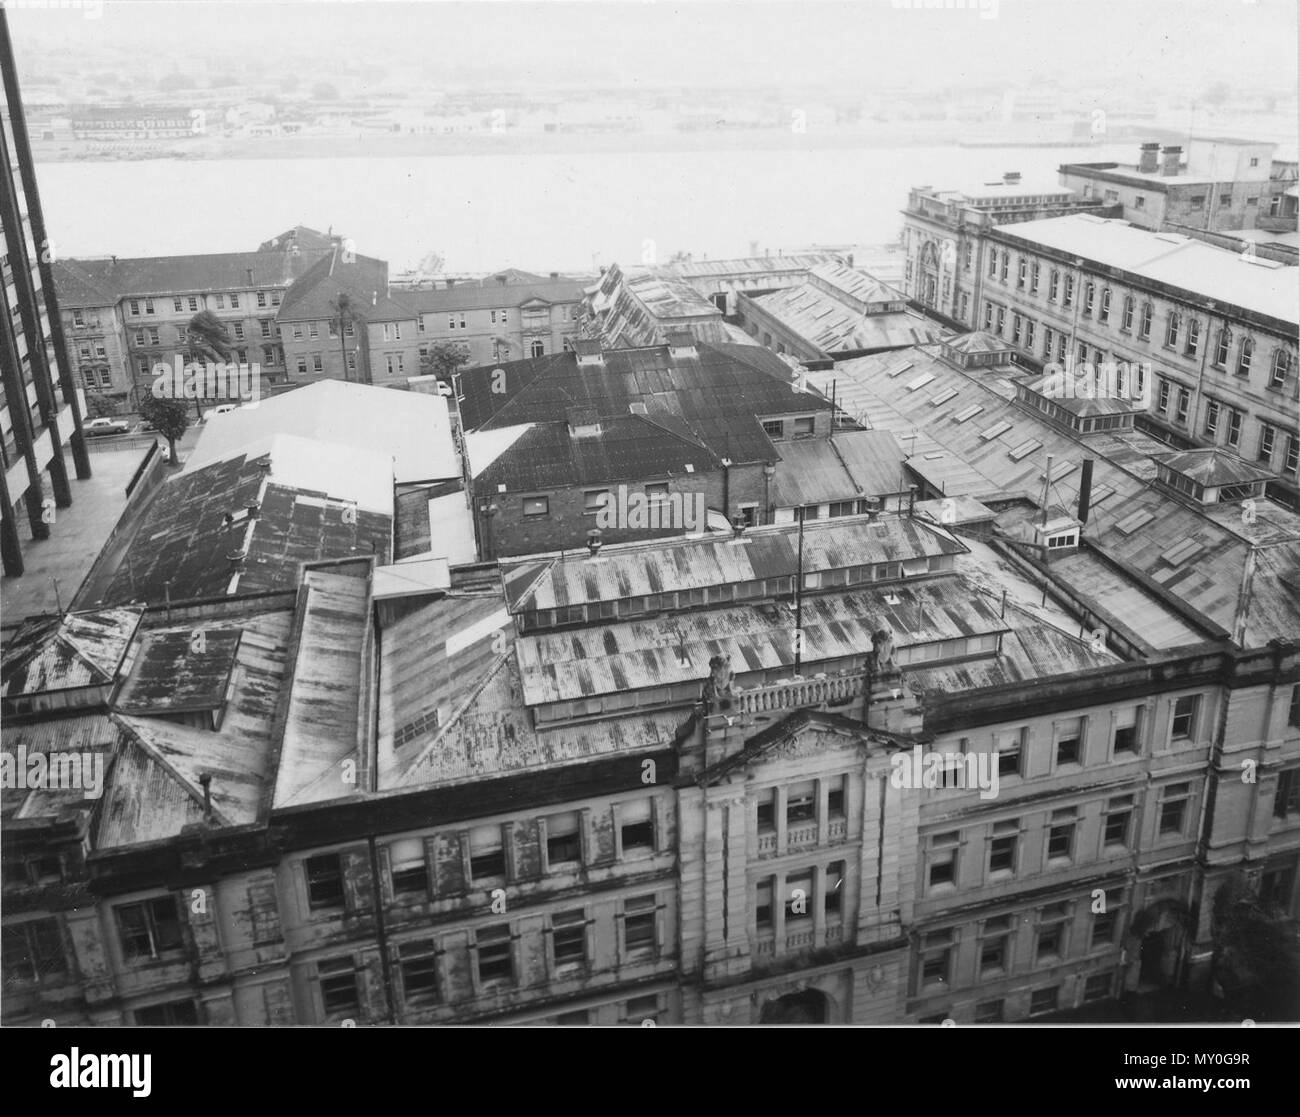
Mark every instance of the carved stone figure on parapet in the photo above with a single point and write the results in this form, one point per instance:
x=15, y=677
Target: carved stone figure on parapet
x=718, y=686
x=882, y=652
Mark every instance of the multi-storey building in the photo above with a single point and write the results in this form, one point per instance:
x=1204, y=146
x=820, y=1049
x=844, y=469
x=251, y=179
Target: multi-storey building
x=124, y=316
x=379, y=810
x=943, y=231
x=1224, y=185
x=499, y=318
x=40, y=409
x=667, y=440
x=1214, y=331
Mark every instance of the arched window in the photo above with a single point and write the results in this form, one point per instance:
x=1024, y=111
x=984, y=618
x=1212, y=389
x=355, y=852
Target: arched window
x=1244, y=357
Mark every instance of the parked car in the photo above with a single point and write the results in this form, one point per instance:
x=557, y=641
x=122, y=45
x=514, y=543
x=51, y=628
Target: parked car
x=220, y=409
x=105, y=426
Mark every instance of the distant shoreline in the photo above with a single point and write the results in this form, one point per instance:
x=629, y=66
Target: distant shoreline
x=405, y=145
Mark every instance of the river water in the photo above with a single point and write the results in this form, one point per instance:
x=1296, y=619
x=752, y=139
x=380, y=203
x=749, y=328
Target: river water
x=539, y=211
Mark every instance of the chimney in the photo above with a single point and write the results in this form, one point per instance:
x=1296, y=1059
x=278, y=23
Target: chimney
x=503, y=280
x=1172, y=161
x=555, y=275
x=374, y=297
x=1085, y=490
x=1149, y=158
x=1011, y=178
x=451, y=282
x=205, y=779
x=250, y=277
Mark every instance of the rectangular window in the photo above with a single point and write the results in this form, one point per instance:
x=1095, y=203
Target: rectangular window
x=1069, y=741
x=1003, y=846
x=1069, y=292
x=1162, y=400
x=1060, y=835
x=149, y=929
x=316, y=364
x=1173, y=808
x=804, y=426
x=1098, y=987
x=833, y=893
x=835, y=796
x=238, y=328
x=1144, y=328
x=496, y=961
x=1050, y=942
x=419, y=966
x=487, y=855
x=988, y=1012
x=261, y=298
x=1286, y=800
x=1171, y=330
x=234, y=302
x=936, y=960
x=177, y=305
x=1008, y=746
x=265, y=326
x=324, y=881
x=763, y=905
x=1234, y=427
x=1118, y=818
x=943, y=858
x=1103, y=312
x=1184, y=720
x=563, y=839
x=1184, y=402
x=800, y=803
x=773, y=428
x=1105, y=922
x=995, y=944
x=1267, y=441
x=641, y=1009
x=1193, y=336
x=767, y=810
x=639, y=934
x=338, y=986
x=173, y=1014
x=33, y=950
x=798, y=891
x=408, y=867
x=1211, y=416
x=569, y=937
x=536, y=506
x=1127, y=723
x=636, y=827
x=1044, y=1000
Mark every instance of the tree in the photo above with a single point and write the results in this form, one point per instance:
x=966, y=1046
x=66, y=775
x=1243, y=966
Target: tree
x=1256, y=953
x=100, y=406
x=444, y=359
x=206, y=334
x=343, y=317
x=168, y=417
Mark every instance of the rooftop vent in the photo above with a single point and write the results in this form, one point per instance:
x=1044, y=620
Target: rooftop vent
x=681, y=344
x=588, y=353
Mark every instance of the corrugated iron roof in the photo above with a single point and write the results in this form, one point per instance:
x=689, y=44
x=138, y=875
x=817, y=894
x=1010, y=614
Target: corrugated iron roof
x=59, y=653
x=181, y=671
x=676, y=648
x=767, y=552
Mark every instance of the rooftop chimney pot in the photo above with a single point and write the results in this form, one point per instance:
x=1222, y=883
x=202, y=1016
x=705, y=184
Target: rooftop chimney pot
x=1149, y=158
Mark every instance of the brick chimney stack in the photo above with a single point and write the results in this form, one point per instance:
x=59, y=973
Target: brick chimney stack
x=1149, y=158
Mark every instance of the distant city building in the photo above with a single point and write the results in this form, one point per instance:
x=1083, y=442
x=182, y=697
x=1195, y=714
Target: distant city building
x=40, y=408
x=1223, y=185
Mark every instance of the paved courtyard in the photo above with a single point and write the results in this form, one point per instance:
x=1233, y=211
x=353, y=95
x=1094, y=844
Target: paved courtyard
x=75, y=539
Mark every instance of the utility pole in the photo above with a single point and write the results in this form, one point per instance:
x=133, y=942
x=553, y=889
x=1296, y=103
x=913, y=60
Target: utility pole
x=798, y=602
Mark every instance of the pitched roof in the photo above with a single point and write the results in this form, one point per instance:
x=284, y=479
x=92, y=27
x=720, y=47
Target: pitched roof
x=550, y=456
x=64, y=652
x=832, y=325
x=1212, y=466
x=302, y=237
x=404, y=305
x=314, y=295
x=715, y=395
x=87, y=282
x=185, y=548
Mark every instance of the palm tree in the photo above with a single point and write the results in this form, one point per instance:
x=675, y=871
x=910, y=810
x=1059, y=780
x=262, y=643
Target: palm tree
x=207, y=334
x=342, y=319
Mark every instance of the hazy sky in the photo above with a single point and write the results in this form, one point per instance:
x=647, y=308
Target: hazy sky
x=655, y=42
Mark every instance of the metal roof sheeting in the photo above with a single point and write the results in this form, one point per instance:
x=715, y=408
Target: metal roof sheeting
x=766, y=552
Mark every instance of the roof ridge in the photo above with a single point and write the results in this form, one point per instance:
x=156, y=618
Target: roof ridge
x=124, y=721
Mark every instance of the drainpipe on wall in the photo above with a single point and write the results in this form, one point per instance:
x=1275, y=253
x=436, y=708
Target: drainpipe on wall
x=381, y=932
